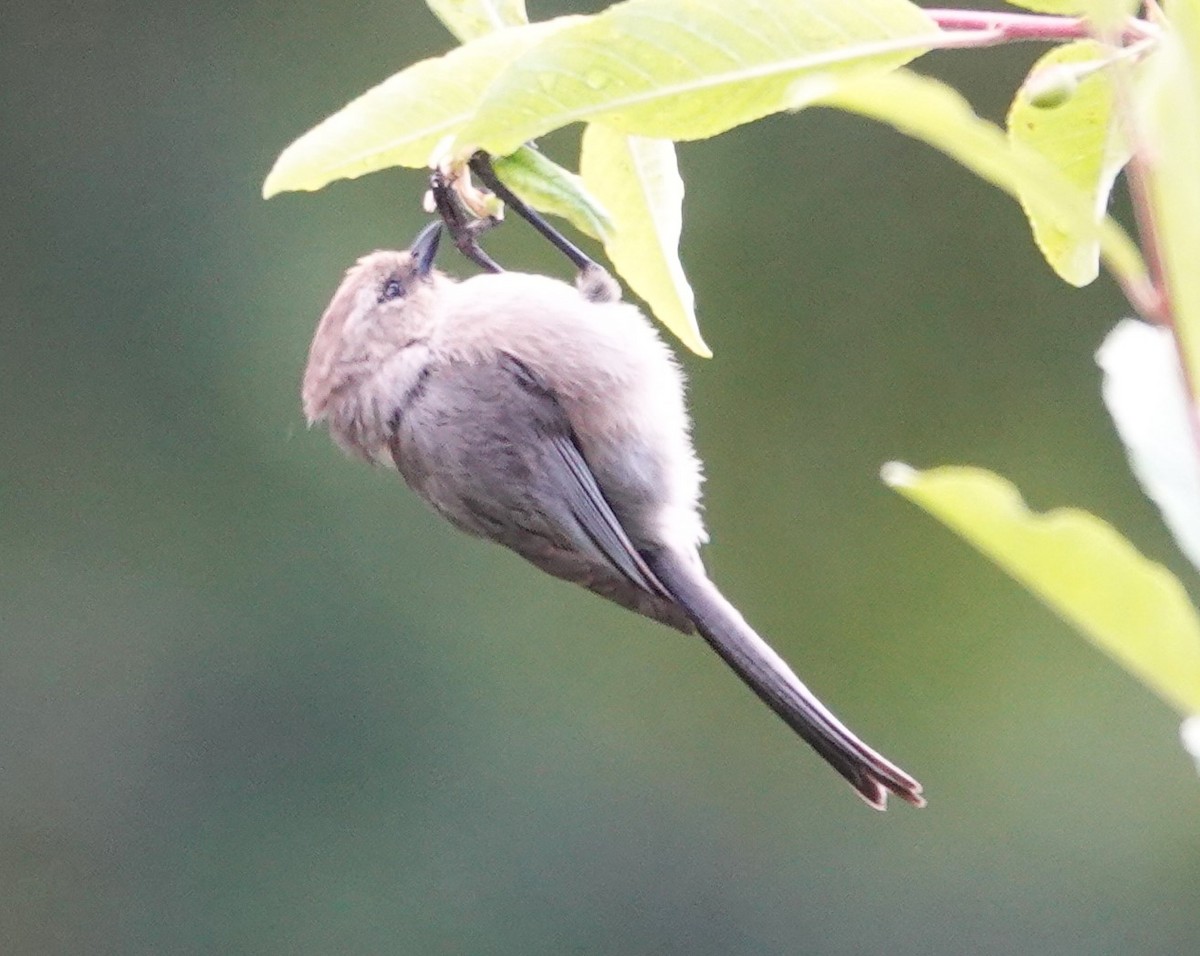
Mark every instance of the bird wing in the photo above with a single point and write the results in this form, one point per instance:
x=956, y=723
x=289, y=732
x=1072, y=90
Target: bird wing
x=595, y=517
x=490, y=447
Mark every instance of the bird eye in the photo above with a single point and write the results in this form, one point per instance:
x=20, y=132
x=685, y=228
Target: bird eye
x=392, y=289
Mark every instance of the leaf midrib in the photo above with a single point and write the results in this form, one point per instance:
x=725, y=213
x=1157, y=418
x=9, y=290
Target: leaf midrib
x=744, y=75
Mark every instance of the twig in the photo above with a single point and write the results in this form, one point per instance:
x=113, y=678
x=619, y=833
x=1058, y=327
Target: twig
x=995, y=28
x=464, y=228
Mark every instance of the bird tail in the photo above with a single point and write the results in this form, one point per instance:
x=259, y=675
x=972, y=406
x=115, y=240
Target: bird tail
x=769, y=676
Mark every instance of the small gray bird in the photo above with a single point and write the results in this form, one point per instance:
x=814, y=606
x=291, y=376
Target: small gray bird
x=551, y=419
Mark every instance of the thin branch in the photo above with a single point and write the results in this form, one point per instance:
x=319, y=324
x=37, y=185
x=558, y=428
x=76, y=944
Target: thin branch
x=464, y=229
x=1136, y=176
x=1153, y=303
x=993, y=28
x=1013, y=26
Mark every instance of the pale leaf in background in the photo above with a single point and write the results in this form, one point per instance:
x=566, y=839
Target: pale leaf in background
x=1146, y=396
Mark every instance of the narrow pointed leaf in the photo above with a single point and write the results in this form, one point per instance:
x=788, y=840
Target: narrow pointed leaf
x=550, y=188
x=637, y=179
x=401, y=121
x=931, y=111
x=1130, y=607
x=1080, y=137
x=689, y=69
x=470, y=19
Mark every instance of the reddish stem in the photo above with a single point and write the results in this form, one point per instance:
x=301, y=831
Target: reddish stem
x=995, y=28
x=1012, y=26
x=1136, y=175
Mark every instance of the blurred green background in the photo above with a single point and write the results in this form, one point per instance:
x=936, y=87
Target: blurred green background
x=255, y=699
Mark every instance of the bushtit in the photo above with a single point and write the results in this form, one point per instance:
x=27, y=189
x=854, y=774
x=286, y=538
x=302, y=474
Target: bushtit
x=551, y=419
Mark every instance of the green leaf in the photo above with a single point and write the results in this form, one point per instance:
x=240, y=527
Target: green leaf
x=935, y=113
x=1102, y=11
x=1130, y=607
x=402, y=121
x=637, y=180
x=1169, y=94
x=689, y=69
x=550, y=188
x=1081, y=139
x=1054, y=6
x=1110, y=14
x=469, y=19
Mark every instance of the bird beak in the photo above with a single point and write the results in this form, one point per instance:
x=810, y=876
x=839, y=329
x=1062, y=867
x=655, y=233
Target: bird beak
x=425, y=247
